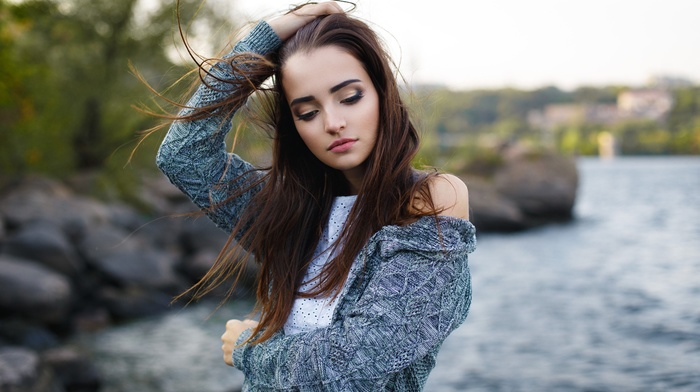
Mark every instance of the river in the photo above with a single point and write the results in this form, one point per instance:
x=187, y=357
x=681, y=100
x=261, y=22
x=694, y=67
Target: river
x=607, y=302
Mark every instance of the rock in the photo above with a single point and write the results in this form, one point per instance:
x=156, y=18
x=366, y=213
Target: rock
x=541, y=184
x=3, y=232
x=30, y=289
x=489, y=210
x=47, y=244
x=519, y=187
x=125, y=217
x=104, y=240
x=134, y=302
x=196, y=266
x=201, y=233
x=161, y=196
x=21, y=370
x=40, y=184
x=23, y=333
x=140, y=267
x=35, y=199
x=164, y=232
x=127, y=259
x=73, y=371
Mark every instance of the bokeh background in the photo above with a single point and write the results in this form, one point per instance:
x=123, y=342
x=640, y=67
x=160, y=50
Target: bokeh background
x=576, y=126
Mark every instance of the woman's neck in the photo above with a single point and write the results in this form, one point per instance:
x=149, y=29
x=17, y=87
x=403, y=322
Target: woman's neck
x=354, y=177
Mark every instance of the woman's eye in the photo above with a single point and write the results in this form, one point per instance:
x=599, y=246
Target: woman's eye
x=307, y=116
x=354, y=98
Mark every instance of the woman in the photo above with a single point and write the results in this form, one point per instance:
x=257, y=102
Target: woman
x=363, y=260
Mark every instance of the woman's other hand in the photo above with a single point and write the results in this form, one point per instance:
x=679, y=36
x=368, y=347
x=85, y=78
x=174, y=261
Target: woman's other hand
x=286, y=25
x=234, y=329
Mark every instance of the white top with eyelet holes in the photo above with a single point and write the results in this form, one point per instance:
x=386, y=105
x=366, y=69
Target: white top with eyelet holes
x=311, y=313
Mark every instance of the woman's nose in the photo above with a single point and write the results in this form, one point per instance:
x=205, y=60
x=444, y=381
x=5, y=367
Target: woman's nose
x=335, y=122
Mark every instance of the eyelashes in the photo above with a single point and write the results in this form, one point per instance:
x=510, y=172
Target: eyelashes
x=354, y=98
x=307, y=116
x=351, y=100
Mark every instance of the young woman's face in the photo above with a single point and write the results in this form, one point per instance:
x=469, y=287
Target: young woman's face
x=335, y=108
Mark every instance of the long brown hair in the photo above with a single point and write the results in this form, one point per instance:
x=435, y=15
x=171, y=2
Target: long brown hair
x=284, y=221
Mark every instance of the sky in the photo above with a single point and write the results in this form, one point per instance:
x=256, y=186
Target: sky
x=468, y=44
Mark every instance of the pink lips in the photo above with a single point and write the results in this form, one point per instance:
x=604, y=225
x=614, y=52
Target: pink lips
x=341, y=145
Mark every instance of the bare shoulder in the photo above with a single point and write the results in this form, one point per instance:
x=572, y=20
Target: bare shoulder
x=450, y=195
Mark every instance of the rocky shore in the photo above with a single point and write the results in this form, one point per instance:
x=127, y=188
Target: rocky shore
x=70, y=263
x=525, y=189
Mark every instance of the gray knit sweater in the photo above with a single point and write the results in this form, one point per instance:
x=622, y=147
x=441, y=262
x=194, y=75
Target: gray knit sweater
x=407, y=290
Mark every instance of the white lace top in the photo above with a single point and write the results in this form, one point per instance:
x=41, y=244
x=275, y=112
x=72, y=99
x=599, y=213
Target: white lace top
x=312, y=313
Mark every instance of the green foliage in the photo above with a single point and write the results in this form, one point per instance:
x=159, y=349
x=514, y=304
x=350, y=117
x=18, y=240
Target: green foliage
x=462, y=123
x=484, y=163
x=588, y=94
x=67, y=92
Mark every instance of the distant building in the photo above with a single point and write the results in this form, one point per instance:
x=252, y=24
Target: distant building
x=556, y=115
x=634, y=104
x=645, y=103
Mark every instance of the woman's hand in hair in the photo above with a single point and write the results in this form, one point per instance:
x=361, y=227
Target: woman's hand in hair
x=286, y=25
x=234, y=329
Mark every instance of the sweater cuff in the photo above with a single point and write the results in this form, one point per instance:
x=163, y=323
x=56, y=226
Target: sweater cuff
x=240, y=349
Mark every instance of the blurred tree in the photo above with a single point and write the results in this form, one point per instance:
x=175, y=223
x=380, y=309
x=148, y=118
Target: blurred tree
x=19, y=93
x=601, y=95
x=66, y=87
x=469, y=120
x=684, y=120
x=548, y=95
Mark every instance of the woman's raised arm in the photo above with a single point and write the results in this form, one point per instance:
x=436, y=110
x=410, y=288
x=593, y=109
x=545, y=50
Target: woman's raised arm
x=193, y=154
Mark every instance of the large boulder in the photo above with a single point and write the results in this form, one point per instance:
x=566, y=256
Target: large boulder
x=491, y=211
x=519, y=187
x=128, y=260
x=47, y=244
x=140, y=267
x=32, y=290
x=40, y=199
x=542, y=184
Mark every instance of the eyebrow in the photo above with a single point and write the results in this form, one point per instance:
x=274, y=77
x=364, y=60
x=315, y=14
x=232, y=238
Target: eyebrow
x=332, y=90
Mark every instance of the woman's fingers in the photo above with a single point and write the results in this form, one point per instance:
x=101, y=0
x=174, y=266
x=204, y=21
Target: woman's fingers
x=234, y=329
x=286, y=25
x=318, y=9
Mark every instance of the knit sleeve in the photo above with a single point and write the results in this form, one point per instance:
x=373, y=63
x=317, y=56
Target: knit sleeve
x=408, y=307
x=193, y=153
